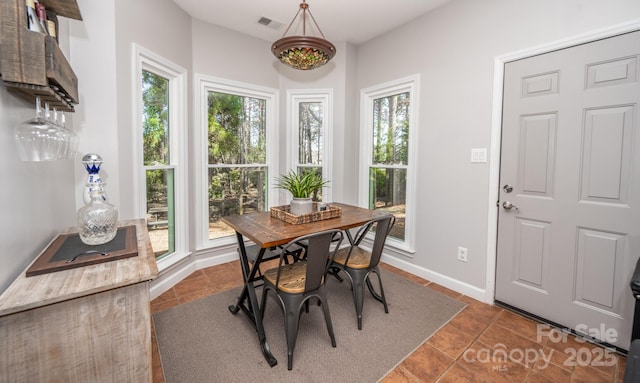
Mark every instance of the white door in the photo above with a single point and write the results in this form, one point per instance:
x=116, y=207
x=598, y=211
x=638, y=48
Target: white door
x=570, y=168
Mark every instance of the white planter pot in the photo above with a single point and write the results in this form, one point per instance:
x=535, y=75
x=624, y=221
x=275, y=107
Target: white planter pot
x=301, y=206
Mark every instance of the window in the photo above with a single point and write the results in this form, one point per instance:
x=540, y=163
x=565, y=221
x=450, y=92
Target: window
x=156, y=154
x=310, y=135
x=237, y=124
x=388, y=149
x=160, y=96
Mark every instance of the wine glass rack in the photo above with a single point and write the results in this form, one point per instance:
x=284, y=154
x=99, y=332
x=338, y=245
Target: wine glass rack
x=31, y=63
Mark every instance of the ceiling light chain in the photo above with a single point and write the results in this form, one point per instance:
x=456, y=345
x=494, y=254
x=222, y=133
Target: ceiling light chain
x=296, y=16
x=303, y=52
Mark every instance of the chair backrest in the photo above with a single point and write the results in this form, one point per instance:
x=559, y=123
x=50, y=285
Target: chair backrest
x=382, y=227
x=318, y=256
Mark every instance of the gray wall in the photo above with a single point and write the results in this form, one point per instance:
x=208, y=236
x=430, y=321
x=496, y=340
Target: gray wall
x=334, y=76
x=223, y=53
x=453, y=50
x=37, y=197
x=102, y=57
x=253, y=63
x=158, y=26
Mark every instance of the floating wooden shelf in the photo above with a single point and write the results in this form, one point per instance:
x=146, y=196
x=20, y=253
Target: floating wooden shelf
x=31, y=63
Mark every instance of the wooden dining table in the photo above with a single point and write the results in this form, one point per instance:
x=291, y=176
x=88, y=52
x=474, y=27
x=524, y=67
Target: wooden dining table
x=269, y=232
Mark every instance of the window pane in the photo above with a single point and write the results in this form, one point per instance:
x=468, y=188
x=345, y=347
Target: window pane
x=391, y=129
x=155, y=116
x=237, y=129
x=160, y=213
x=310, y=133
x=388, y=193
x=233, y=191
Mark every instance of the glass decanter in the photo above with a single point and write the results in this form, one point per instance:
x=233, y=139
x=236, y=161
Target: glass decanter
x=98, y=219
x=92, y=163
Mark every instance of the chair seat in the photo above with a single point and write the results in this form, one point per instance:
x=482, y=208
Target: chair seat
x=359, y=259
x=292, y=277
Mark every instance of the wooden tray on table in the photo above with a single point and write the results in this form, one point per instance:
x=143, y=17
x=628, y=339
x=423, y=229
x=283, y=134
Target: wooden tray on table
x=283, y=213
x=67, y=251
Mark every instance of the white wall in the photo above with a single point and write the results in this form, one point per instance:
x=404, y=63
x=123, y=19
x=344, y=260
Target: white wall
x=453, y=50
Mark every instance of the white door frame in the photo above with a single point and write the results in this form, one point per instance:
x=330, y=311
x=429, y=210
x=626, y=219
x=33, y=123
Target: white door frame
x=496, y=131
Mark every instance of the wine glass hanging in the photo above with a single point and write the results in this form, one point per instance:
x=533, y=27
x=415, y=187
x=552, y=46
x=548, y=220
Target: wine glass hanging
x=45, y=137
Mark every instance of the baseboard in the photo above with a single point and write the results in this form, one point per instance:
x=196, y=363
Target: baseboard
x=208, y=258
x=220, y=255
x=448, y=282
x=200, y=260
x=171, y=276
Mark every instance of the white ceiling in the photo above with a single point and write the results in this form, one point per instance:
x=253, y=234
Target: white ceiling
x=354, y=21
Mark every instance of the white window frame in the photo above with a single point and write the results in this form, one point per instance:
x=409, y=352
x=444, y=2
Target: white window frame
x=325, y=97
x=147, y=60
x=204, y=85
x=409, y=84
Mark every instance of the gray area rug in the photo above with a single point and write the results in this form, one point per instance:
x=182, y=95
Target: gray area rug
x=201, y=341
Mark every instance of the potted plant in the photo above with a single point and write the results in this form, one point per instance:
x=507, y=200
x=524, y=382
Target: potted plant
x=301, y=186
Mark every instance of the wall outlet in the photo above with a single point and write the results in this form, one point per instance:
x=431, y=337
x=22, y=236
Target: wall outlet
x=462, y=254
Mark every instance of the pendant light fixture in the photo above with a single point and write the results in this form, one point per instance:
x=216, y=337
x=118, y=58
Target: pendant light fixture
x=303, y=52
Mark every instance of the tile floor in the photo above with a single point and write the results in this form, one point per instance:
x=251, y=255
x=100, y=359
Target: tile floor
x=483, y=343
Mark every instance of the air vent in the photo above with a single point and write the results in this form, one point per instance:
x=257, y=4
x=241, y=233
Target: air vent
x=264, y=21
x=267, y=22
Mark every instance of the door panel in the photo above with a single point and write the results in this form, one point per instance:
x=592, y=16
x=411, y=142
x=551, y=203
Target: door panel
x=571, y=151
x=531, y=267
x=606, y=154
x=600, y=276
x=537, y=154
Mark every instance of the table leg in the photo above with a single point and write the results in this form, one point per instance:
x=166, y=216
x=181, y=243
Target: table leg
x=335, y=270
x=249, y=291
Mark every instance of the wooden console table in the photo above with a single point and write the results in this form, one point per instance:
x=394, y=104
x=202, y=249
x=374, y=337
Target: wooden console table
x=87, y=324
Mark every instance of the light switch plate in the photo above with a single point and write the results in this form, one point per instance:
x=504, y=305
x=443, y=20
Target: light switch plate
x=479, y=155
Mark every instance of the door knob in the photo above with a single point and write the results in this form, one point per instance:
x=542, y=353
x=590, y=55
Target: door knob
x=507, y=188
x=508, y=205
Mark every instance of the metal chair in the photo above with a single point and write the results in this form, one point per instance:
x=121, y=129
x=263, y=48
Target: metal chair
x=294, y=284
x=359, y=263
x=270, y=254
